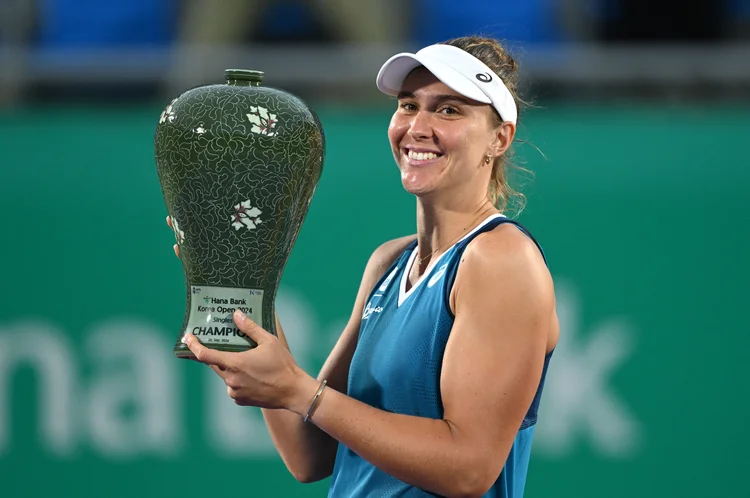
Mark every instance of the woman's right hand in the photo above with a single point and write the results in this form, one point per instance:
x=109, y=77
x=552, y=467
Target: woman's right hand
x=175, y=247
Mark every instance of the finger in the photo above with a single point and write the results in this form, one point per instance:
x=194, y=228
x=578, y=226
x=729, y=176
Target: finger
x=250, y=328
x=169, y=221
x=204, y=354
x=176, y=250
x=219, y=371
x=235, y=395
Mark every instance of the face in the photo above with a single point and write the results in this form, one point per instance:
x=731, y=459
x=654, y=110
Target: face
x=440, y=139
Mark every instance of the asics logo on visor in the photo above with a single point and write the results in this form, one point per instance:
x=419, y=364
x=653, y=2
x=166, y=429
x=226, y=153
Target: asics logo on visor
x=484, y=77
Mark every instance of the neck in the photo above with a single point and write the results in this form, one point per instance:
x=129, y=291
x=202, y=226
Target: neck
x=440, y=224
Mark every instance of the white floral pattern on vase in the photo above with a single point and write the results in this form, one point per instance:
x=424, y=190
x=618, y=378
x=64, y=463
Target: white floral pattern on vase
x=263, y=121
x=245, y=215
x=178, y=234
x=167, y=113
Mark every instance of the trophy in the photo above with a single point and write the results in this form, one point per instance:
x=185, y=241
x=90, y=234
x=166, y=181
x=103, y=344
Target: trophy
x=238, y=164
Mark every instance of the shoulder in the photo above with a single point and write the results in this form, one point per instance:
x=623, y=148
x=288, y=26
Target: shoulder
x=504, y=244
x=386, y=254
x=505, y=261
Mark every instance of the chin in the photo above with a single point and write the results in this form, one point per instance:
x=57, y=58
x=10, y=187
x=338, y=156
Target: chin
x=422, y=181
x=414, y=183
x=417, y=189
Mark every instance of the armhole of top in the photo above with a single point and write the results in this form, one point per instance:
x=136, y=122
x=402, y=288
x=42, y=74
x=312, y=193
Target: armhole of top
x=397, y=263
x=450, y=277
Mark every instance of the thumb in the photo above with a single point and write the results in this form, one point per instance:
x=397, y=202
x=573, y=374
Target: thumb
x=250, y=328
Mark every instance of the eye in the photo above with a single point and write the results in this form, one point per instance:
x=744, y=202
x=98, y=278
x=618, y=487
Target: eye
x=407, y=106
x=449, y=109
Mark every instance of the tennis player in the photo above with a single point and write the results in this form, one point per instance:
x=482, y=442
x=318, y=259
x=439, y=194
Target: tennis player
x=434, y=385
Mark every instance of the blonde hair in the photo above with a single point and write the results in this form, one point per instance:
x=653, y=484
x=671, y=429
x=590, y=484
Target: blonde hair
x=494, y=55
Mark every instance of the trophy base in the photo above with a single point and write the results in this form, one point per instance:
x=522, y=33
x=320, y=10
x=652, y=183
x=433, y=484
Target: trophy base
x=181, y=350
x=210, y=318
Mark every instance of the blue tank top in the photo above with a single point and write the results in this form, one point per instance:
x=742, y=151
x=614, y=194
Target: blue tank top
x=396, y=367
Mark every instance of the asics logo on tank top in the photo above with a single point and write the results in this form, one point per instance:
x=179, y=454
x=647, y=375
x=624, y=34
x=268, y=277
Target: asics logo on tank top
x=387, y=281
x=437, y=275
x=369, y=308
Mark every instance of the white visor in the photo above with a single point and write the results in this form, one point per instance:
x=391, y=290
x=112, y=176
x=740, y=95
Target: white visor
x=457, y=69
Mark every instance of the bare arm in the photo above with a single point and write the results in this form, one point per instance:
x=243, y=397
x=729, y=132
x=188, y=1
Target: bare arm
x=504, y=307
x=308, y=452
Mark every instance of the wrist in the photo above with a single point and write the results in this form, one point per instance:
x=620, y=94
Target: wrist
x=304, y=392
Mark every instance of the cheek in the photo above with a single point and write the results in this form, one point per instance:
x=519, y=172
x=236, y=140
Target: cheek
x=396, y=131
x=473, y=145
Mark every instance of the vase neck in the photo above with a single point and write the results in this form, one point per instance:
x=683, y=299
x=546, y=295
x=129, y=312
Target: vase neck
x=243, y=77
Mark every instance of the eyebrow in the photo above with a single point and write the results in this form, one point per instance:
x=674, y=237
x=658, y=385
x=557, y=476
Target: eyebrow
x=438, y=98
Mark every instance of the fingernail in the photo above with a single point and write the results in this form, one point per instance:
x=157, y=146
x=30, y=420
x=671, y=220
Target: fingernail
x=184, y=339
x=239, y=315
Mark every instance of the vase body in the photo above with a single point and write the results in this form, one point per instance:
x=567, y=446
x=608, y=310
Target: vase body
x=238, y=165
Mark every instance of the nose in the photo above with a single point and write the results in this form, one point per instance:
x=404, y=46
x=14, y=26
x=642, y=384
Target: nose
x=420, y=126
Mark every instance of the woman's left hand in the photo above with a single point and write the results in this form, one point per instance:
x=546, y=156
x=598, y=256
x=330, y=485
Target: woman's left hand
x=266, y=376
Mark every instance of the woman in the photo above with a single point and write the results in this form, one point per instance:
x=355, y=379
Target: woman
x=434, y=384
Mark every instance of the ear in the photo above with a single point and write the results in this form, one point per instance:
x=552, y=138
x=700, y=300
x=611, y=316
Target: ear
x=504, y=135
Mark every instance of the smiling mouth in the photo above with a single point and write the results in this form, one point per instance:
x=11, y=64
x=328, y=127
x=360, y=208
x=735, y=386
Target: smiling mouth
x=422, y=156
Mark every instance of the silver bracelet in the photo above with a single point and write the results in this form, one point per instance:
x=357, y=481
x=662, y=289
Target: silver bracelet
x=315, y=399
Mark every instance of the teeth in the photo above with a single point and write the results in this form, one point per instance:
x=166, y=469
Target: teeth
x=422, y=156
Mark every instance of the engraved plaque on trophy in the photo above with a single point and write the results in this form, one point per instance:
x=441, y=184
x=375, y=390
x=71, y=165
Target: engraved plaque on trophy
x=238, y=164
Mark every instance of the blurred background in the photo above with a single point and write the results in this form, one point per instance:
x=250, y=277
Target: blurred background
x=641, y=111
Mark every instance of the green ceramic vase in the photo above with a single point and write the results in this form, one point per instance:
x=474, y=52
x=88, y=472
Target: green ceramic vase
x=238, y=164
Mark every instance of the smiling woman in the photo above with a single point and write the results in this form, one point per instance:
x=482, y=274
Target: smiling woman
x=499, y=90
x=434, y=385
